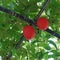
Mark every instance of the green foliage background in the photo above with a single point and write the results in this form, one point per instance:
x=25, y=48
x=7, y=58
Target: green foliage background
x=11, y=30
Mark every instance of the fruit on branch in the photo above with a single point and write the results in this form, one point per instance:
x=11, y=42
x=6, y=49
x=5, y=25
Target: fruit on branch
x=28, y=32
x=42, y=23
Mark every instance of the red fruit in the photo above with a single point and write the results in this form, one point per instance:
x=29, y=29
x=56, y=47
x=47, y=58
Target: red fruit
x=28, y=32
x=42, y=23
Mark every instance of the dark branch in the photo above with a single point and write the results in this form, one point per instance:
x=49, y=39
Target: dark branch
x=16, y=15
x=19, y=42
x=53, y=33
x=16, y=47
x=42, y=9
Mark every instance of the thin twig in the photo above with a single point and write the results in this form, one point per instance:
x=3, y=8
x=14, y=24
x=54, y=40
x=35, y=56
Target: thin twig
x=19, y=42
x=16, y=47
x=41, y=10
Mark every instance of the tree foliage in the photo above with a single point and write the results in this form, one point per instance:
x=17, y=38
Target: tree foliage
x=11, y=30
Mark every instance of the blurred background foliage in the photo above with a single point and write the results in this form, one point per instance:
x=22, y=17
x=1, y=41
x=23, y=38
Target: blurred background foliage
x=44, y=46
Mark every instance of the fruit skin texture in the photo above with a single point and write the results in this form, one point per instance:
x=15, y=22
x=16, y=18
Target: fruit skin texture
x=28, y=32
x=42, y=23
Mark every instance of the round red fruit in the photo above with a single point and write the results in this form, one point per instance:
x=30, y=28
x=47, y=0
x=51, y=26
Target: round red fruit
x=42, y=23
x=28, y=32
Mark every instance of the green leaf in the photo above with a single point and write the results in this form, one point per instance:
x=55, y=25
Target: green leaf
x=54, y=44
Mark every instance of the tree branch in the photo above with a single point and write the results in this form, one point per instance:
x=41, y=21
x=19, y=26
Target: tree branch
x=16, y=15
x=42, y=9
x=19, y=42
x=53, y=33
x=16, y=47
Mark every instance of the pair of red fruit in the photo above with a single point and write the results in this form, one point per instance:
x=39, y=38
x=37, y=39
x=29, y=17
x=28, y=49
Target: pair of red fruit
x=29, y=32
